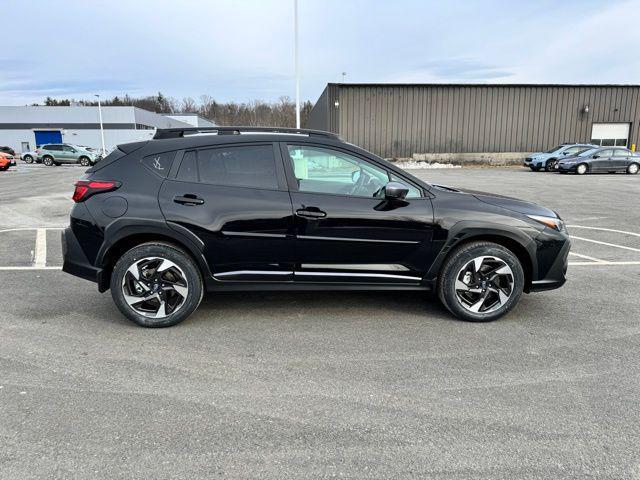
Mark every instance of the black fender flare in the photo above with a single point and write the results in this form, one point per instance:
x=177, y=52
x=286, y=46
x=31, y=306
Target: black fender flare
x=124, y=228
x=466, y=231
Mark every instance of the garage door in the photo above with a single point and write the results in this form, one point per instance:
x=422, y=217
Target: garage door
x=610, y=134
x=48, y=136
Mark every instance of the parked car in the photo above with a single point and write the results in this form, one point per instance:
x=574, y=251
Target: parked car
x=161, y=221
x=6, y=161
x=58, y=153
x=8, y=150
x=548, y=159
x=601, y=160
x=31, y=157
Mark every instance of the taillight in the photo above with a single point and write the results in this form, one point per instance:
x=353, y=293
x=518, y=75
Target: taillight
x=84, y=189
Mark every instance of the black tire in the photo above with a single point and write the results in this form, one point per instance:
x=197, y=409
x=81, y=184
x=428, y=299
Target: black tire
x=548, y=166
x=534, y=169
x=48, y=161
x=633, y=169
x=580, y=170
x=462, y=256
x=84, y=161
x=28, y=159
x=4, y=169
x=163, y=251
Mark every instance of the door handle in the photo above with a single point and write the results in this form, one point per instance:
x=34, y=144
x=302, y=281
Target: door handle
x=188, y=199
x=311, y=212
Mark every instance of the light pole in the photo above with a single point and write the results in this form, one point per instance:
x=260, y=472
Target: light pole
x=295, y=54
x=101, y=127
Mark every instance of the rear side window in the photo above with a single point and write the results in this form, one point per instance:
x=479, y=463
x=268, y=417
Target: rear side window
x=189, y=168
x=241, y=166
x=160, y=163
x=53, y=148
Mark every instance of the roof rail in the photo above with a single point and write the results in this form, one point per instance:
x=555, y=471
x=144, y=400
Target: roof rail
x=181, y=132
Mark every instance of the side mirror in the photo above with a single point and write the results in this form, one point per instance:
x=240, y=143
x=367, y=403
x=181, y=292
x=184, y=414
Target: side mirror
x=395, y=191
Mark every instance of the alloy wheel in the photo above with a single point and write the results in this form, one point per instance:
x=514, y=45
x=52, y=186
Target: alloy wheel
x=633, y=168
x=155, y=287
x=484, y=284
x=581, y=169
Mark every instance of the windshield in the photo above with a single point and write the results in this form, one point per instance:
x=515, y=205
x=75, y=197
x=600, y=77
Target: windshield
x=554, y=149
x=588, y=153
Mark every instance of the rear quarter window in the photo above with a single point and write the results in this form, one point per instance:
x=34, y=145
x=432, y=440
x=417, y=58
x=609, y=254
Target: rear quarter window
x=159, y=163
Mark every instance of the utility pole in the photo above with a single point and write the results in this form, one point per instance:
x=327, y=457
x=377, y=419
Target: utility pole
x=296, y=62
x=104, y=152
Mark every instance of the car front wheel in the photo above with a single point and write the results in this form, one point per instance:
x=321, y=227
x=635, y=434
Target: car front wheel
x=84, y=161
x=156, y=285
x=481, y=281
x=581, y=169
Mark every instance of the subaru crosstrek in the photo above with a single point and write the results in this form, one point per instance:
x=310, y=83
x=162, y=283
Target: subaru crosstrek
x=162, y=221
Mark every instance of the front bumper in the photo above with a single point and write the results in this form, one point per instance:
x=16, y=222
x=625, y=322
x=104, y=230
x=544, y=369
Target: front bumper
x=566, y=168
x=555, y=276
x=75, y=261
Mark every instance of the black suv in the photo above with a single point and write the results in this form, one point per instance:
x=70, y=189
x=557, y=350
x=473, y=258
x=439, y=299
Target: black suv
x=159, y=222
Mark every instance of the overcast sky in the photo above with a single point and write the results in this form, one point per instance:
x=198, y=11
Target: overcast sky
x=243, y=50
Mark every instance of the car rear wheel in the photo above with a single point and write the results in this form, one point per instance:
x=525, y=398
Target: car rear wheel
x=481, y=281
x=28, y=158
x=48, y=161
x=633, y=169
x=582, y=169
x=84, y=161
x=156, y=285
x=550, y=165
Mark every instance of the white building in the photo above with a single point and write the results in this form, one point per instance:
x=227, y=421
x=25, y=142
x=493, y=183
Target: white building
x=23, y=128
x=192, y=119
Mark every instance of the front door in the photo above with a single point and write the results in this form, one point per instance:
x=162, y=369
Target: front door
x=68, y=154
x=345, y=231
x=601, y=160
x=235, y=199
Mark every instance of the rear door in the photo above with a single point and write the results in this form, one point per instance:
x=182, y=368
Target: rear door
x=235, y=199
x=345, y=231
x=620, y=159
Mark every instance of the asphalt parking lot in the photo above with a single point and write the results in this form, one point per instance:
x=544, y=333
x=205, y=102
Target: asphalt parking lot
x=301, y=385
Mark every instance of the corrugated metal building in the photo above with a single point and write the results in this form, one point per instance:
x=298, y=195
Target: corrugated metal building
x=399, y=120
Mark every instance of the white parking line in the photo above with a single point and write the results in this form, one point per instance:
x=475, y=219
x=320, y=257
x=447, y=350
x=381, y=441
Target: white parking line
x=598, y=264
x=29, y=268
x=587, y=257
x=605, y=230
x=605, y=243
x=40, y=256
x=24, y=229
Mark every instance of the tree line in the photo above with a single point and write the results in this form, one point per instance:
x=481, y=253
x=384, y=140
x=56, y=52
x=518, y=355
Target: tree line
x=281, y=113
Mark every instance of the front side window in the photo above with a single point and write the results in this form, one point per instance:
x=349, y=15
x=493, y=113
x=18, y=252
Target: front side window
x=241, y=166
x=323, y=170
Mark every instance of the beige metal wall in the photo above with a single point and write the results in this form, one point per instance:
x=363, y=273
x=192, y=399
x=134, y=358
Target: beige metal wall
x=399, y=120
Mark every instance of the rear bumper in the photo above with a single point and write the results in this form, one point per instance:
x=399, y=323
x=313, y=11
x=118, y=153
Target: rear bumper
x=74, y=260
x=556, y=275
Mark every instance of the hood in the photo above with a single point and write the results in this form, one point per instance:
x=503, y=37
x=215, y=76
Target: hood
x=572, y=158
x=508, y=203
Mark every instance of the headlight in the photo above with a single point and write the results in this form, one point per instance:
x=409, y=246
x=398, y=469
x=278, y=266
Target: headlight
x=551, y=222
